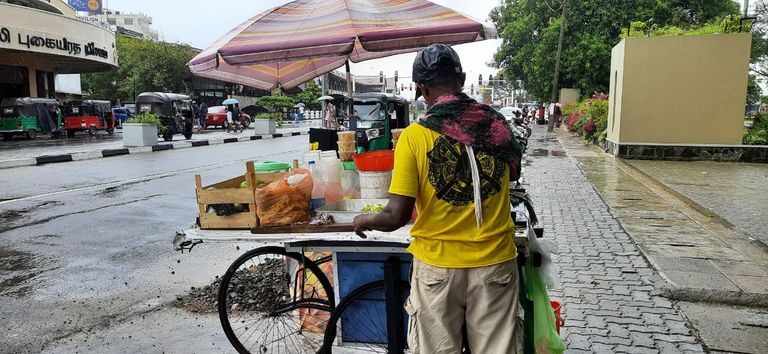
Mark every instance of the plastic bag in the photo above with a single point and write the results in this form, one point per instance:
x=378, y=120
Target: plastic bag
x=546, y=248
x=546, y=338
x=281, y=203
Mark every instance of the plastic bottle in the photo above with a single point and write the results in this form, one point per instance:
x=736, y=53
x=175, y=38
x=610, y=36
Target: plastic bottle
x=330, y=169
x=318, y=188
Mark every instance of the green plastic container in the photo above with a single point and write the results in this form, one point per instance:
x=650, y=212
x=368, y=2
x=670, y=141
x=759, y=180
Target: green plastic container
x=349, y=165
x=272, y=166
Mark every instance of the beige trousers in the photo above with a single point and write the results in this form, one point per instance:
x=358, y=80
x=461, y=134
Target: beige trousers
x=485, y=298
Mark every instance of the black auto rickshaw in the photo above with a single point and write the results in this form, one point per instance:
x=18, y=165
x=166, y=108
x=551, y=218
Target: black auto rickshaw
x=88, y=115
x=172, y=109
x=376, y=114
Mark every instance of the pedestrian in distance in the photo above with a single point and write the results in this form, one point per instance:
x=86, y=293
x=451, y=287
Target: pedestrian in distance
x=301, y=114
x=464, y=270
x=232, y=121
x=195, y=111
x=330, y=116
x=203, y=114
x=238, y=117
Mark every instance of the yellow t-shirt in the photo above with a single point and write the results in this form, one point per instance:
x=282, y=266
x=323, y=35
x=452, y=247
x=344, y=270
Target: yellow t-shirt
x=435, y=170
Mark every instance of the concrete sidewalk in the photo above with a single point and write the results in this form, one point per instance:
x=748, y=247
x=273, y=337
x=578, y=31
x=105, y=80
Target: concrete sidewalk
x=56, y=151
x=705, y=263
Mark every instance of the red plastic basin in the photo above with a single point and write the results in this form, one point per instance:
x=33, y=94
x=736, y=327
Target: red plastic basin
x=375, y=161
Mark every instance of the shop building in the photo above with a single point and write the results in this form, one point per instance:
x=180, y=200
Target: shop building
x=40, y=39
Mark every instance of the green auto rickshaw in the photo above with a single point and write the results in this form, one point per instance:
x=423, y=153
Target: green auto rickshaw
x=29, y=116
x=377, y=114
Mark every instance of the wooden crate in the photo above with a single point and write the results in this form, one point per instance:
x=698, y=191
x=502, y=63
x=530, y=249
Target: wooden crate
x=229, y=192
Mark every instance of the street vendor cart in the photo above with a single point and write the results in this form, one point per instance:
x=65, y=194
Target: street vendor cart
x=323, y=289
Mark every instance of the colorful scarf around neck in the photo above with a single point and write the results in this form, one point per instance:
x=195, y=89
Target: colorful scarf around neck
x=463, y=119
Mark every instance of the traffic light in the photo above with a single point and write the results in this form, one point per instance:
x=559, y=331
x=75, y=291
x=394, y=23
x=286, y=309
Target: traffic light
x=381, y=77
x=480, y=80
x=472, y=89
x=490, y=80
x=395, y=75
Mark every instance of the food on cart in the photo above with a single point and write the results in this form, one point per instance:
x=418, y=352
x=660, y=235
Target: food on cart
x=373, y=208
x=344, y=211
x=321, y=219
x=226, y=209
x=257, y=183
x=285, y=201
x=295, y=179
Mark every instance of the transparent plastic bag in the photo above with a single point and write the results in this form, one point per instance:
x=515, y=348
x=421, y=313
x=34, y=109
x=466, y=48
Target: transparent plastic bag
x=547, y=248
x=284, y=203
x=350, y=184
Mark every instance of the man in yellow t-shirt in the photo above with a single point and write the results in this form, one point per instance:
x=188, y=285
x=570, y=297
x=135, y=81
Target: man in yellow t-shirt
x=454, y=166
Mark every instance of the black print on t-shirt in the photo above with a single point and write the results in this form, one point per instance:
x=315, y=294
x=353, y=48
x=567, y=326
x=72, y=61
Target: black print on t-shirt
x=451, y=176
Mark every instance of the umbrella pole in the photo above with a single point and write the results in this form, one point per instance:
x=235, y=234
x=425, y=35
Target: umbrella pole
x=351, y=103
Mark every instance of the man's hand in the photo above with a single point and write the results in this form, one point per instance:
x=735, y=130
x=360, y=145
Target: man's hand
x=394, y=216
x=360, y=225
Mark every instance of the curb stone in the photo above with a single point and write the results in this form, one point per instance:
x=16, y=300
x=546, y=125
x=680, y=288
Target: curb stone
x=95, y=154
x=738, y=298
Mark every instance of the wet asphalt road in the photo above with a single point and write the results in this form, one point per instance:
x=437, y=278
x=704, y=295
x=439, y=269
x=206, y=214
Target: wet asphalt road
x=86, y=260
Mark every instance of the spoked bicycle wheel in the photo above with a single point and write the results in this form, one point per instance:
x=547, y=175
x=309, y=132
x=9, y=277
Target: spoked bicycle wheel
x=359, y=322
x=274, y=301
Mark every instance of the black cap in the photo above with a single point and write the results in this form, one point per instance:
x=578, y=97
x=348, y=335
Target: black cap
x=435, y=61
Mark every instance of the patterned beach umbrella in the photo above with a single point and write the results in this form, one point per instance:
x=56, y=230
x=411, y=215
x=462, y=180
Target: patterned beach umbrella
x=293, y=43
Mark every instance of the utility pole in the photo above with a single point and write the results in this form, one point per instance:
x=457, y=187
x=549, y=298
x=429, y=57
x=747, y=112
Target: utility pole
x=323, y=92
x=557, y=63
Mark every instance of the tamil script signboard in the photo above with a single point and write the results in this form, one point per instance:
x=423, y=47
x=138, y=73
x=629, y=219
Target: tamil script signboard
x=34, y=41
x=92, y=6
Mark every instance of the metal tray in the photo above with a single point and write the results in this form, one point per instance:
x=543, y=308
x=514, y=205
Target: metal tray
x=344, y=211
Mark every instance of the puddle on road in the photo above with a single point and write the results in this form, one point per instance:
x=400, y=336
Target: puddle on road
x=546, y=152
x=16, y=268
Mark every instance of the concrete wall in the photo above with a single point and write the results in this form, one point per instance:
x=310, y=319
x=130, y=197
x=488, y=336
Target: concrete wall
x=616, y=92
x=569, y=95
x=679, y=90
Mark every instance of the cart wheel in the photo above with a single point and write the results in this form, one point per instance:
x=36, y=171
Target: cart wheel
x=70, y=133
x=92, y=131
x=167, y=136
x=245, y=122
x=367, y=326
x=7, y=136
x=273, y=301
x=31, y=134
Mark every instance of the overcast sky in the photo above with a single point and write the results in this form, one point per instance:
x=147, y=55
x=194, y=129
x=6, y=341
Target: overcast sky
x=199, y=23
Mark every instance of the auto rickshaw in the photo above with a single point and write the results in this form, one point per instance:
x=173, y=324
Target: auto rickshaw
x=88, y=115
x=376, y=115
x=172, y=109
x=29, y=116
